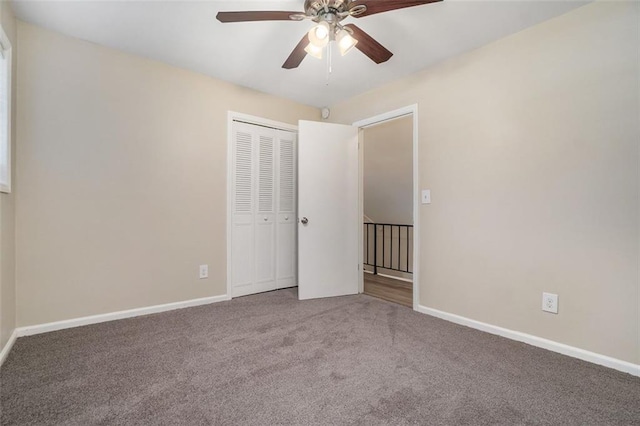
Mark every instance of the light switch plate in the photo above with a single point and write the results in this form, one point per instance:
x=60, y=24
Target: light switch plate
x=204, y=271
x=426, y=196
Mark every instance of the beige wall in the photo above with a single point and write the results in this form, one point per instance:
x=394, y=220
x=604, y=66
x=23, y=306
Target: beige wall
x=122, y=166
x=388, y=171
x=7, y=207
x=530, y=148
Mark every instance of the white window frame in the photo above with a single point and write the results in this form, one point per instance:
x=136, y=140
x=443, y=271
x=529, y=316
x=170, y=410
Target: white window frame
x=5, y=137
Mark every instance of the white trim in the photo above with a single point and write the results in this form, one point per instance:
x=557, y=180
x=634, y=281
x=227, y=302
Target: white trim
x=6, y=46
x=130, y=313
x=7, y=347
x=388, y=116
x=251, y=119
x=539, y=342
x=230, y=116
x=361, y=270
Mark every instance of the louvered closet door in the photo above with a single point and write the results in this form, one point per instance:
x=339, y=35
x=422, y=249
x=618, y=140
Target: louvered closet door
x=243, y=208
x=265, y=231
x=287, y=203
x=263, y=252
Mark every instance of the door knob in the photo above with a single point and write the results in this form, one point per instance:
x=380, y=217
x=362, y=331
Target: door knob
x=304, y=220
x=265, y=219
x=286, y=218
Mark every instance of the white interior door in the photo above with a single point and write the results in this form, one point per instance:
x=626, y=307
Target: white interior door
x=328, y=203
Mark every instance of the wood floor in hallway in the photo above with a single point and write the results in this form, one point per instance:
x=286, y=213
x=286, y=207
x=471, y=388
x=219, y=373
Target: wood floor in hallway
x=390, y=289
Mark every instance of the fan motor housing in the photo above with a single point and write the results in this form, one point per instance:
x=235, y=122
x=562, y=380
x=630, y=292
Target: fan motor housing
x=335, y=10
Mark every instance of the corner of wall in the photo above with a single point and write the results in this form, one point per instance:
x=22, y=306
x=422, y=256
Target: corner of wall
x=7, y=211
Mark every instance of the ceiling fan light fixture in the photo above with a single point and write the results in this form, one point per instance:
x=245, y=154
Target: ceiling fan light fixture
x=313, y=50
x=319, y=35
x=345, y=42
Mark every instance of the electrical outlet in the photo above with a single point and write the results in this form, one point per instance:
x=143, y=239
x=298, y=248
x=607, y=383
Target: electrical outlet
x=204, y=271
x=550, y=302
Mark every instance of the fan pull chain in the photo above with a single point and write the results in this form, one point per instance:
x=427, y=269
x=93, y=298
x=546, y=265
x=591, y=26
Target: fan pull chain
x=329, y=63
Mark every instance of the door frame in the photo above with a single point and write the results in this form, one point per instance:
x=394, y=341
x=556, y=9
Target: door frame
x=410, y=110
x=249, y=119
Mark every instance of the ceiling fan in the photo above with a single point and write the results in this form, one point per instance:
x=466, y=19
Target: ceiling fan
x=328, y=15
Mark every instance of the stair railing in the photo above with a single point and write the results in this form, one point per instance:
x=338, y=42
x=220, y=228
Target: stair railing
x=386, y=249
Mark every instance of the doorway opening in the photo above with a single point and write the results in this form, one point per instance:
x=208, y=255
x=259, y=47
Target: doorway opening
x=388, y=182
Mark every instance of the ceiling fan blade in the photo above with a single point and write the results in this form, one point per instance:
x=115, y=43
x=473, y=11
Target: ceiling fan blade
x=379, y=6
x=367, y=45
x=267, y=15
x=297, y=55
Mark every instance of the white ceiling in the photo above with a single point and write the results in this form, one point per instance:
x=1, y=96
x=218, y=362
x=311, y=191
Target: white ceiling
x=186, y=34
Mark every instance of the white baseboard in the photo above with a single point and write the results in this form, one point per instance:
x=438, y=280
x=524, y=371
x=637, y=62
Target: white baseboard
x=7, y=347
x=550, y=345
x=396, y=278
x=94, y=319
x=388, y=276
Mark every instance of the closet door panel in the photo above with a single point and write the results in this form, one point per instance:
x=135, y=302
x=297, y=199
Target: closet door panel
x=243, y=223
x=265, y=223
x=242, y=255
x=286, y=256
x=287, y=206
x=265, y=256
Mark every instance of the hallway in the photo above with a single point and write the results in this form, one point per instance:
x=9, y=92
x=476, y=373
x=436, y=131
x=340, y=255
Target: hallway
x=390, y=289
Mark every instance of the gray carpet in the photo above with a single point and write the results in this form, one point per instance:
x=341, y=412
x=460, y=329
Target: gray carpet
x=270, y=359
